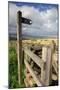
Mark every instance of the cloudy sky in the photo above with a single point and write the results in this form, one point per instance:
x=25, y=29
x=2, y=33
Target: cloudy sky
x=44, y=19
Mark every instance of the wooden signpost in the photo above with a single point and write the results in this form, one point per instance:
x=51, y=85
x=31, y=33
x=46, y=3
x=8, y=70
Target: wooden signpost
x=19, y=45
x=20, y=20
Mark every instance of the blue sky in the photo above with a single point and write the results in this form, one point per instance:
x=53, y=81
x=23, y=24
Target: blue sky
x=39, y=6
x=43, y=16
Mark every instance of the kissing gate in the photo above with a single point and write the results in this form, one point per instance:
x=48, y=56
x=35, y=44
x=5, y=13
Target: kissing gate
x=43, y=75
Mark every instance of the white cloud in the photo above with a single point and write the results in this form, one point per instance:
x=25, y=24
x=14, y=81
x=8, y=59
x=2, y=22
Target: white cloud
x=43, y=23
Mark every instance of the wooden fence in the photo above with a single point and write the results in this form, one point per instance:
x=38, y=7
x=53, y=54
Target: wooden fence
x=45, y=63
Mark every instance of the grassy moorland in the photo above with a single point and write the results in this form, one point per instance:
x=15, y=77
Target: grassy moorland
x=13, y=67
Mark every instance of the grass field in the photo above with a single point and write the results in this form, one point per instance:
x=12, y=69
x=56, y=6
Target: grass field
x=13, y=67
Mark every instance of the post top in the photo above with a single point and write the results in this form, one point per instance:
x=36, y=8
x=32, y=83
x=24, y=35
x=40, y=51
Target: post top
x=19, y=12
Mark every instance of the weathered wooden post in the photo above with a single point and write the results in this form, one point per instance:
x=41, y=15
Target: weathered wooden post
x=47, y=57
x=19, y=45
x=20, y=53
x=44, y=55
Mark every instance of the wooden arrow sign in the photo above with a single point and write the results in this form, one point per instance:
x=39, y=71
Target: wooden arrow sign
x=26, y=21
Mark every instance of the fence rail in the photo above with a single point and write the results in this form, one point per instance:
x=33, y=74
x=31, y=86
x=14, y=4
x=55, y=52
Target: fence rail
x=34, y=57
x=36, y=79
